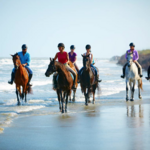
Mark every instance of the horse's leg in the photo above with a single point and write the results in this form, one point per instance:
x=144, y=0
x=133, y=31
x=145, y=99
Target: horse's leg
x=66, y=102
x=70, y=97
x=86, y=99
x=140, y=97
x=127, y=90
x=62, y=101
x=131, y=90
x=74, y=93
x=17, y=93
x=94, y=88
x=59, y=99
x=88, y=95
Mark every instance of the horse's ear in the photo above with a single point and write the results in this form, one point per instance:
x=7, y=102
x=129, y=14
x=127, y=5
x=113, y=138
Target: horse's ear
x=82, y=55
x=11, y=55
x=50, y=59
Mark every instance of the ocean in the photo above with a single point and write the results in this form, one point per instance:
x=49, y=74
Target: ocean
x=43, y=99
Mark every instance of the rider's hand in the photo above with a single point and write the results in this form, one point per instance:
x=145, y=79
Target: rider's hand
x=134, y=60
x=23, y=65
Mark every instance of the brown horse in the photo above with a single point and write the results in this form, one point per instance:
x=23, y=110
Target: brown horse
x=64, y=82
x=87, y=80
x=21, y=79
x=76, y=82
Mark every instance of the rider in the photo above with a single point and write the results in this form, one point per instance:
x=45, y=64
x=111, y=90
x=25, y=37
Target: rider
x=64, y=58
x=25, y=61
x=88, y=52
x=135, y=58
x=73, y=57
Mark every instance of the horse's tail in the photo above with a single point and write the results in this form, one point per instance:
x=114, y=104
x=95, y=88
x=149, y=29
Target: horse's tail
x=29, y=89
x=141, y=84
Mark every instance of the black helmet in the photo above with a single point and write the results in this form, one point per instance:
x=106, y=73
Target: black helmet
x=24, y=46
x=88, y=46
x=72, y=47
x=61, y=45
x=132, y=44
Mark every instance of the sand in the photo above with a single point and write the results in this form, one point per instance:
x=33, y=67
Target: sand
x=119, y=126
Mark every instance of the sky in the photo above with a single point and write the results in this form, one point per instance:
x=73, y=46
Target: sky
x=107, y=25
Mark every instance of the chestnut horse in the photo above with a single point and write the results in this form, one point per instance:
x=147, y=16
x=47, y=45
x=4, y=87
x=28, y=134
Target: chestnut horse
x=64, y=82
x=76, y=82
x=21, y=79
x=87, y=80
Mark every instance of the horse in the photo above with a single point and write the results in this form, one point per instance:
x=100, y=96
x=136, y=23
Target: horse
x=64, y=82
x=87, y=80
x=21, y=79
x=76, y=82
x=131, y=73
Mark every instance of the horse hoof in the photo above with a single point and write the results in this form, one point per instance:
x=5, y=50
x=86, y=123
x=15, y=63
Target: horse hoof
x=127, y=99
x=19, y=104
x=62, y=111
x=86, y=104
x=140, y=97
x=89, y=101
x=93, y=102
x=132, y=100
x=65, y=111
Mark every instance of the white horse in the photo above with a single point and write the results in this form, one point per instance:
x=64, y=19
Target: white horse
x=131, y=73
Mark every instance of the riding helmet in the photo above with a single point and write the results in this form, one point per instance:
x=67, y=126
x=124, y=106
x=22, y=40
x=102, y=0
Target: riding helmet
x=88, y=46
x=132, y=44
x=72, y=47
x=24, y=46
x=61, y=45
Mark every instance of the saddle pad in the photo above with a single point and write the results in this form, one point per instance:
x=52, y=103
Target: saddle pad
x=70, y=74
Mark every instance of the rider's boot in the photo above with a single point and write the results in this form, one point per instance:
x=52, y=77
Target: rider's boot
x=74, y=86
x=97, y=79
x=123, y=76
x=54, y=82
x=30, y=77
x=78, y=79
x=12, y=78
x=147, y=78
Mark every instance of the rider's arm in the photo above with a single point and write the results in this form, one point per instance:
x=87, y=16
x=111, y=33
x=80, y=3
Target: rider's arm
x=27, y=60
x=56, y=56
x=67, y=57
x=91, y=58
x=75, y=59
x=137, y=56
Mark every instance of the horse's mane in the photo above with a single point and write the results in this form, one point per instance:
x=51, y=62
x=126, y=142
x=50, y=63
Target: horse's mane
x=62, y=67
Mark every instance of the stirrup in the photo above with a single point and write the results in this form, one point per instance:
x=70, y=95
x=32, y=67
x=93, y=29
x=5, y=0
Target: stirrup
x=147, y=78
x=122, y=76
x=73, y=87
x=141, y=76
x=10, y=82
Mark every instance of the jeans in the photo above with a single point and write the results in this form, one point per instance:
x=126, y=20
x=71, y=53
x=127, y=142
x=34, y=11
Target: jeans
x=28, y=69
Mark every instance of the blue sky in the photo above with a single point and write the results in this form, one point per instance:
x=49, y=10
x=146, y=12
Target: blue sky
x=109, y=26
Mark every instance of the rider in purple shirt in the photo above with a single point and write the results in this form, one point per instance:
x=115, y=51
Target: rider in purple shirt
x=73, y=57
x=135, y=58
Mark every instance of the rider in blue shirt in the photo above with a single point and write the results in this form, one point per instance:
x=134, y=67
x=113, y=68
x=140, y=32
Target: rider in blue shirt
x=25, y=61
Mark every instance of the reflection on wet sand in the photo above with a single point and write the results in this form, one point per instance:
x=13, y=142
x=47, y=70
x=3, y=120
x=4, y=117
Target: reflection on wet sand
x=135, y=111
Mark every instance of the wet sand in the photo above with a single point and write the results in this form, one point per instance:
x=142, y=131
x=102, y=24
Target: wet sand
x=119, y=126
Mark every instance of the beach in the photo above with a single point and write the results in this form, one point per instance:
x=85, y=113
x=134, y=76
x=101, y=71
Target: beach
x=109, y=126
x=111, y=123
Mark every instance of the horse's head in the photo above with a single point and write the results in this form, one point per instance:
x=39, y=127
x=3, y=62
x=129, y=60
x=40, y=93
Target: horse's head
x=16, y=60
x=51, y=68
x=129, y=59
x=86, y=61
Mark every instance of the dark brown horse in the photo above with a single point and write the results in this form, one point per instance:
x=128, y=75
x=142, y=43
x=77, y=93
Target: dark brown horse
x=87, y=80
x=76, y=82
x=21, y=79
x=64, y=82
